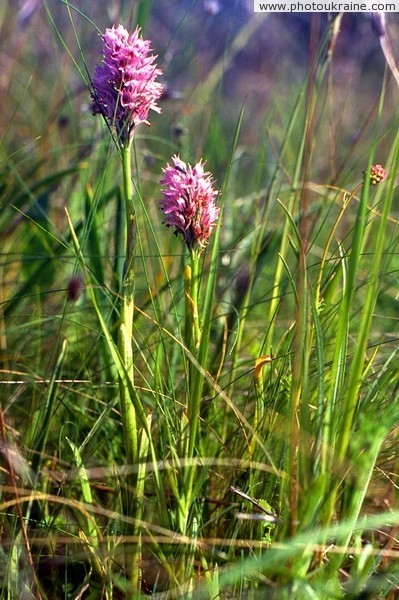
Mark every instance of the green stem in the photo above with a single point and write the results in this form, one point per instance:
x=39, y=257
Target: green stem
x=125, y=336
x=188, y=322
x=194, y=398
x=129, y=420
x=194, y=298
x=259, y=403
x=193, y=339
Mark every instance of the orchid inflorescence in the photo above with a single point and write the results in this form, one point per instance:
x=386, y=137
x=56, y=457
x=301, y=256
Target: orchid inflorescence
x=189, y=202
x=124, y=91
x=125, y=87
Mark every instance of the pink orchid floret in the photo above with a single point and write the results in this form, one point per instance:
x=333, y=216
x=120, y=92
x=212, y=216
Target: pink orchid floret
x=125, y=87
x=189, y=202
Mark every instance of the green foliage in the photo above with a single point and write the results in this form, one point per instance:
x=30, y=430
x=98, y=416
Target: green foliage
x=290, y=395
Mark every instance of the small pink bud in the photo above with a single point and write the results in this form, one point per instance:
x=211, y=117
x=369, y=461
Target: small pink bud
x=377, y=174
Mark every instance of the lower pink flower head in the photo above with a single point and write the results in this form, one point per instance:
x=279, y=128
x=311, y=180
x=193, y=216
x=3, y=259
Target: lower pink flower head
x=189, y=202
x=376, y=174
x=124, y=87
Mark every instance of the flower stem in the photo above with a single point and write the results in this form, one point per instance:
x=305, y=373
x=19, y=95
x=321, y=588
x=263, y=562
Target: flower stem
x=126, y=312
x=125, y=336
x=188, y=322
x=195, y=378
x=194, y=298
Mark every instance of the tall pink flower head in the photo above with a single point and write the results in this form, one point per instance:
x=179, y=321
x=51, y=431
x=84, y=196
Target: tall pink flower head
x=125, y=87
x=189, y=202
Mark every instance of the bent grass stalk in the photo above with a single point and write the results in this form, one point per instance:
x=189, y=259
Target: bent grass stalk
x=143, y=420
